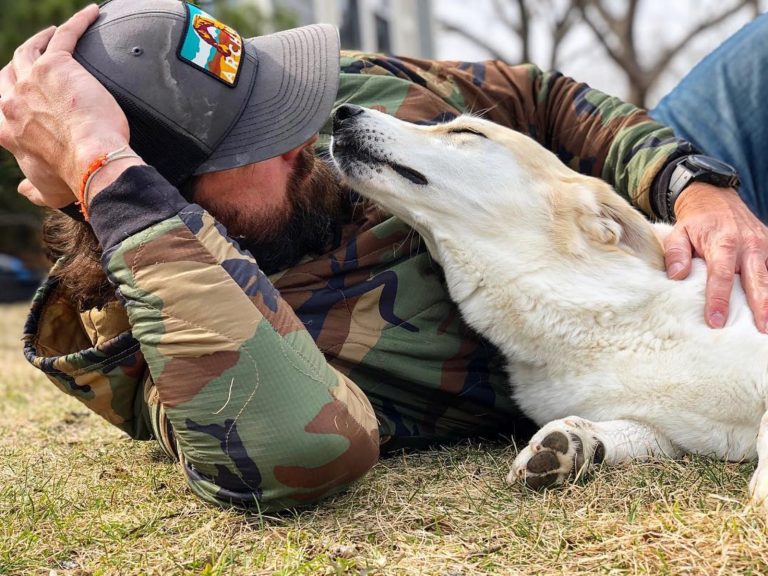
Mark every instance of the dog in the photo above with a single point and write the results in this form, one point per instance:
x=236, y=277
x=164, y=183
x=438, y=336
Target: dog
x=610, y=357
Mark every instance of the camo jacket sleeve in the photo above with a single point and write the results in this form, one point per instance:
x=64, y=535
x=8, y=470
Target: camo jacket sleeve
x=592, y=132
x=259, y=417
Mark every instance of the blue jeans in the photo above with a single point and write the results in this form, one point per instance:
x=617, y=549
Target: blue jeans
x=721, y=107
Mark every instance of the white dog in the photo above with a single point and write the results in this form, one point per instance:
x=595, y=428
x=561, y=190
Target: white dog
x=613, y=359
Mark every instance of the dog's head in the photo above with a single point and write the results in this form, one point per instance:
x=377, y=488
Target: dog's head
x=471, y=181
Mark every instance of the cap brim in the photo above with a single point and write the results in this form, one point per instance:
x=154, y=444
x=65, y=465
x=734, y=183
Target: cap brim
x=295, y=89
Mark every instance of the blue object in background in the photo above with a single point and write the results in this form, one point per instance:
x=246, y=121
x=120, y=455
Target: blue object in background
x=17, y=282
x=720, y=108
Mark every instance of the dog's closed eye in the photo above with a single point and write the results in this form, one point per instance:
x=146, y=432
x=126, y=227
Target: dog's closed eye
x=467, y=131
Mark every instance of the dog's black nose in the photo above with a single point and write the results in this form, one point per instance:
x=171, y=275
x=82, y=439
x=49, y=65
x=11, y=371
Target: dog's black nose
x=345, y=112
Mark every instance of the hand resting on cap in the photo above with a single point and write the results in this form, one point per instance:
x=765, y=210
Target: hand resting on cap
x=56, y=117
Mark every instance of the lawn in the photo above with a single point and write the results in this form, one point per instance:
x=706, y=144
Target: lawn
x=78, y=498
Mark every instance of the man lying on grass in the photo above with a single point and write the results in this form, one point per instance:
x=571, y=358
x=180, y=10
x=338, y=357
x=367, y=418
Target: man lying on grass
x=277, y=355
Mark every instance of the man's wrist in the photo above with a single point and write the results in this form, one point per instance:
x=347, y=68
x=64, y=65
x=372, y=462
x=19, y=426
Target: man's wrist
x=681, y=175
x=87, y=153
x=99, y=165
x=108, y=173
x=660, y=188
x=699, y=194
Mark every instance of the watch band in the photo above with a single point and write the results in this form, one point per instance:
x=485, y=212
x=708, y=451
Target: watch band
x=679, y=180
x=660, y=185
x=684, y=170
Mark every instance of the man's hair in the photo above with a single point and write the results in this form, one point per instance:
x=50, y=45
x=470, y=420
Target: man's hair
x=74, y=246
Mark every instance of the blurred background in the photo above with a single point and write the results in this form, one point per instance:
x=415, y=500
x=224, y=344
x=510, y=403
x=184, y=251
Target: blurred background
x=635, y=49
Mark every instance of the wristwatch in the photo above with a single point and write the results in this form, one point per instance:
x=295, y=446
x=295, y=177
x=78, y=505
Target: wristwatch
x=696, y=168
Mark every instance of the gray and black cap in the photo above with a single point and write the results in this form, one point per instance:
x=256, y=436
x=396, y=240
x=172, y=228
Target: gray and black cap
x=198, y=97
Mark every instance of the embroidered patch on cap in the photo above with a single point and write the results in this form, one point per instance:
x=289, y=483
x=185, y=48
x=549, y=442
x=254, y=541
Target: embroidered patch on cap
x=211, y=46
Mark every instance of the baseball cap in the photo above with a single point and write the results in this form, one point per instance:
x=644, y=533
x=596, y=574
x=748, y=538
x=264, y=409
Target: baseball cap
x=200, y=98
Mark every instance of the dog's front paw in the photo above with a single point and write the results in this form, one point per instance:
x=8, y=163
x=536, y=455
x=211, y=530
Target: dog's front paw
x=561, y=449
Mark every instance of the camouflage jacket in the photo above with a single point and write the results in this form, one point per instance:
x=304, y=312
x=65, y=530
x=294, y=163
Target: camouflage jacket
x=372, y=310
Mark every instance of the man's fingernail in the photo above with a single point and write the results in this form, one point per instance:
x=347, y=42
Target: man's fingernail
x=717, y=320
x=675, y=269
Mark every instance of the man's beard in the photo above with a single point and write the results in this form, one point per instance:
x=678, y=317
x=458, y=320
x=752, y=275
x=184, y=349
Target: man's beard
x=307, y=224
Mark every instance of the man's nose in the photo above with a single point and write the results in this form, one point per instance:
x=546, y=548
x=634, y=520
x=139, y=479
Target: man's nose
x=345, y=112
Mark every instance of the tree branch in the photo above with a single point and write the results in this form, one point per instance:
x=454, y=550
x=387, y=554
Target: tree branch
x=623, y=56
x=663, y=61
x=561, y=28
x=605, y=14
x=601, y=37
x=475, y=39
x=524, y=30
x=498, y=7
x=629, y=29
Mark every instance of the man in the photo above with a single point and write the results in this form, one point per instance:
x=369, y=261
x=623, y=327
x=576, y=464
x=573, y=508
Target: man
x=274, y=393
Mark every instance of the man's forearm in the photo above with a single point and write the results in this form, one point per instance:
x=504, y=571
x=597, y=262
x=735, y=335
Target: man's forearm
x=239, y=376
x=603, y=136
x=592, y=132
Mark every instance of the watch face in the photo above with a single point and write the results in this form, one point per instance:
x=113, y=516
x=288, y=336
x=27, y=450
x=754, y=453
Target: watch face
x=710, y=164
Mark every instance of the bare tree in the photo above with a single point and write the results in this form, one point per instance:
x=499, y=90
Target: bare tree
x=615, y=31
x=613, y=25
x=520, y=17
x=521, y=25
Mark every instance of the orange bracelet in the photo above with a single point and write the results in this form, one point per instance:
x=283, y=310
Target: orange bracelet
x=91, y=171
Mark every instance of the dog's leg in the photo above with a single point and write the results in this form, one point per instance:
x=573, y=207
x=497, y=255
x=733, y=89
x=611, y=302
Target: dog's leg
x=572, y=446
x=758, y=485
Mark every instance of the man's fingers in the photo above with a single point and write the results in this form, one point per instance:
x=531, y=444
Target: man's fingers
x=28, y=190
x=721, y=268
x=23, y=57
x=66, y=36
x=718, y=299
x=26, y=54
x=7, y=79
x=754, y=278
x=26, y=187
x=677, y=254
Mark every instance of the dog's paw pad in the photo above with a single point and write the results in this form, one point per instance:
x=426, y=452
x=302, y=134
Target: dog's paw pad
x=543, y=462
x=556, y=441
x=543, y=470
x=550, y=460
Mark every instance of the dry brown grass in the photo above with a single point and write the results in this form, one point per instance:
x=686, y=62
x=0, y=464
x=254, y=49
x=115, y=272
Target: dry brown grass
x=77, y=498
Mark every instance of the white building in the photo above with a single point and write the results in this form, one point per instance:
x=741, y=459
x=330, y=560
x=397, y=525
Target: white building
x=393, y=26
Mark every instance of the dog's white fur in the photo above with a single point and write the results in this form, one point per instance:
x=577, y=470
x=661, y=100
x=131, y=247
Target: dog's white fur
x=568, y=280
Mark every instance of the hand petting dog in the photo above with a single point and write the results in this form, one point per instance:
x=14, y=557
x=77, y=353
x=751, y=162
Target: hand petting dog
x=714, y=223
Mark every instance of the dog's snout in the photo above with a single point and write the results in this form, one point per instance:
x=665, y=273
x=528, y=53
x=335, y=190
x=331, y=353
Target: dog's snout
x=345, y=112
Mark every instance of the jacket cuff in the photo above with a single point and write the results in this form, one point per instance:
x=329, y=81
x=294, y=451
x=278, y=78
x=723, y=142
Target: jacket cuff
x=660, y=185
x=139, y=198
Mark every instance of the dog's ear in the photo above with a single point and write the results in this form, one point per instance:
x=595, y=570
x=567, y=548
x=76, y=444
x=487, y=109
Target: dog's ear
x=616, y=223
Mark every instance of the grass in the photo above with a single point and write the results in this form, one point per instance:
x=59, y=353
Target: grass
x=77, y=498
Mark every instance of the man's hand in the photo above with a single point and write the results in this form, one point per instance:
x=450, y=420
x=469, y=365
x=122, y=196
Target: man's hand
x=55, y=117
x=715, y=224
